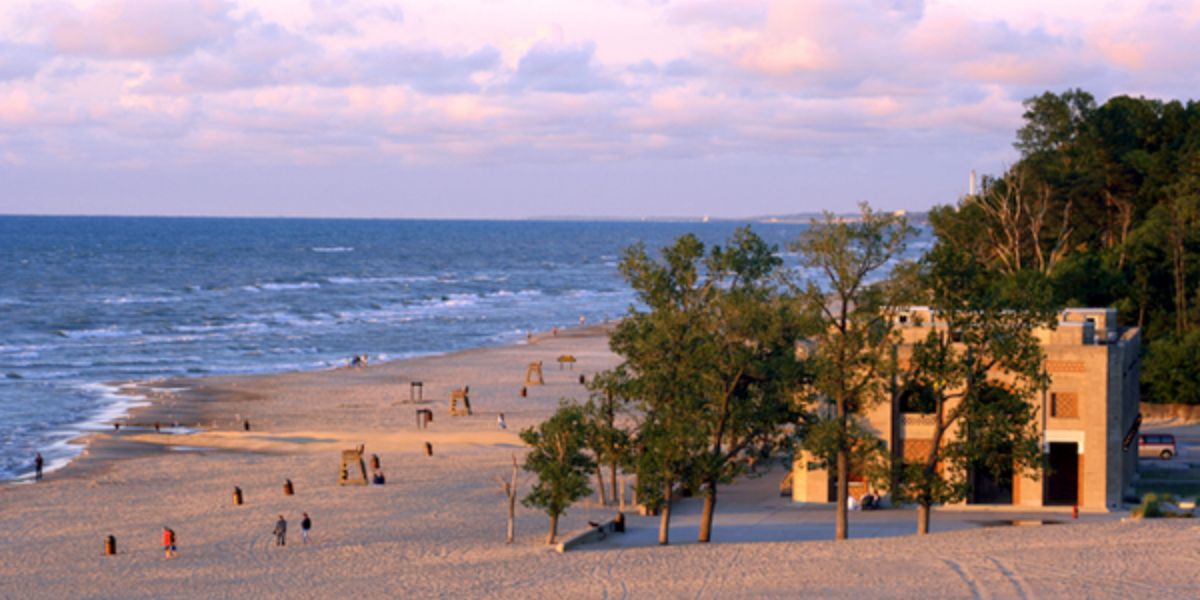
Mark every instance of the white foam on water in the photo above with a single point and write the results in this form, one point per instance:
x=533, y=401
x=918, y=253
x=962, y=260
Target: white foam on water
x=101, y=332
x=332, y=249
x=279, y=287
x=118, y=402
x=345, y=280
x=141, y=300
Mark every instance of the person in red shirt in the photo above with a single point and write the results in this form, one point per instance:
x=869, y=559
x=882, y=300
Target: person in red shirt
x=168, y=540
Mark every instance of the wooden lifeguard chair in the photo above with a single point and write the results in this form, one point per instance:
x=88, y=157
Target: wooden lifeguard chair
x=350, y=459
x=533, y=374
x=455, y=396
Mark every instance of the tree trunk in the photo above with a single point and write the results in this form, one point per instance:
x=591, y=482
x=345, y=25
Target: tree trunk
x=512, y=503
x=922, y=518
x=553, y=529
x=664, y=523
x=612, y=477
x=512, y=521
x=600, y=486
x=710, y=505
x=843, y=493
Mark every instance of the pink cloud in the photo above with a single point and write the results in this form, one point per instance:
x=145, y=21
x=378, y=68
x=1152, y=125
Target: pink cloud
x=138, y=28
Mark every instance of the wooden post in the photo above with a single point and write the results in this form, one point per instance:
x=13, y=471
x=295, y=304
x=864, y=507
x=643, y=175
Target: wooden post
x=288, y=488
x=110, y=546
x=375, y=462
x=237, y=496
x=428, y=449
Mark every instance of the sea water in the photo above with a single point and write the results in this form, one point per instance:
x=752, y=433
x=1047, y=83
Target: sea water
x=89, y=302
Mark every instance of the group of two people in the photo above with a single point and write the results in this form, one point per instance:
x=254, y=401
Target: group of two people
x=281, y=530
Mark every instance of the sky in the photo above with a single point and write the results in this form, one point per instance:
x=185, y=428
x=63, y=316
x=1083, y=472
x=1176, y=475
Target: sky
x=524, y=108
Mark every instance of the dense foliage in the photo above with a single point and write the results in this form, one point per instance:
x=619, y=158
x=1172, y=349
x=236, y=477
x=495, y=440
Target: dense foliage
x=973, y=375
x=711, y=365
x=558, y=459
x=1105, y=201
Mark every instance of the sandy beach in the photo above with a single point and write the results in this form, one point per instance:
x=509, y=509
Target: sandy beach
x=437, y=528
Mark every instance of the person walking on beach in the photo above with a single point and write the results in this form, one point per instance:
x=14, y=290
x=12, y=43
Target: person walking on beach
x=500, y=421
x=305, y=525
x=168, y=539
x=281, y=531
x=38, y=461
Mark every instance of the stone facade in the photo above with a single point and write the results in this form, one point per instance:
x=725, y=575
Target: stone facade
x=1083, y=416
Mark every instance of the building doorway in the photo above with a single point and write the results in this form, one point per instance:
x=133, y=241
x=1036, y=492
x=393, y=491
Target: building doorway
x=1062, y=482
x=988, y=487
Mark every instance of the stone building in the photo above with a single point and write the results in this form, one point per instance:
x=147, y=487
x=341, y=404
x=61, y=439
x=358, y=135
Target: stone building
x=1083, y=416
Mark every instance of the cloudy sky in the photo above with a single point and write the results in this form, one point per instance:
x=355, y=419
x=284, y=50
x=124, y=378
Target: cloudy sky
x=513, y=108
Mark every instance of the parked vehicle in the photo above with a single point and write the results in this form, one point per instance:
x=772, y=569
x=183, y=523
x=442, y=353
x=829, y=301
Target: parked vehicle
x=1156, y=445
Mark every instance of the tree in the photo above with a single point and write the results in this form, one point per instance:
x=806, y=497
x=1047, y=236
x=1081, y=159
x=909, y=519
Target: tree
x=754, y=375
x=556, y=456
x=1170, y=374
x=851, y=329
x=1016, y=210
x=711, y=364
x=663, y=348
x=608, y=443
x=510, y=493
x=973, y=374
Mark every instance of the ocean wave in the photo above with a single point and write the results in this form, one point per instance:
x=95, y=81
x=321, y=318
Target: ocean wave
x=511, y=294
x=276, y=287
x=117, y=401
x=371, y=280
x=102, y=332
x=140, y=300
x=577, y=293
x=483, y=277
x=332, y=249
x=213, y=328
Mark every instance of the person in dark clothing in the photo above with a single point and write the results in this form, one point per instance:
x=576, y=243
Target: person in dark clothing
x=38, y=461
x=280, y=531
x=305, y=525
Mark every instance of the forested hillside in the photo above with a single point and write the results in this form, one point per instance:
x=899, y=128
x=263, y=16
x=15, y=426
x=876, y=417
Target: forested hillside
x=1105, y=203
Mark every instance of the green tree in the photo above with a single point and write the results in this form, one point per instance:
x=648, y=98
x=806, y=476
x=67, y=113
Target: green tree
x=558, y=459
x=974, y=373
x=712, y=365
x=1170, y=374
x=851, y=330
x=754, y=374
x=607, y=441
x=663, y=348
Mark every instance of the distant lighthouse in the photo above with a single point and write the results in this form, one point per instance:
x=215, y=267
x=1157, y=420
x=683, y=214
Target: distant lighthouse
x=971, y=184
